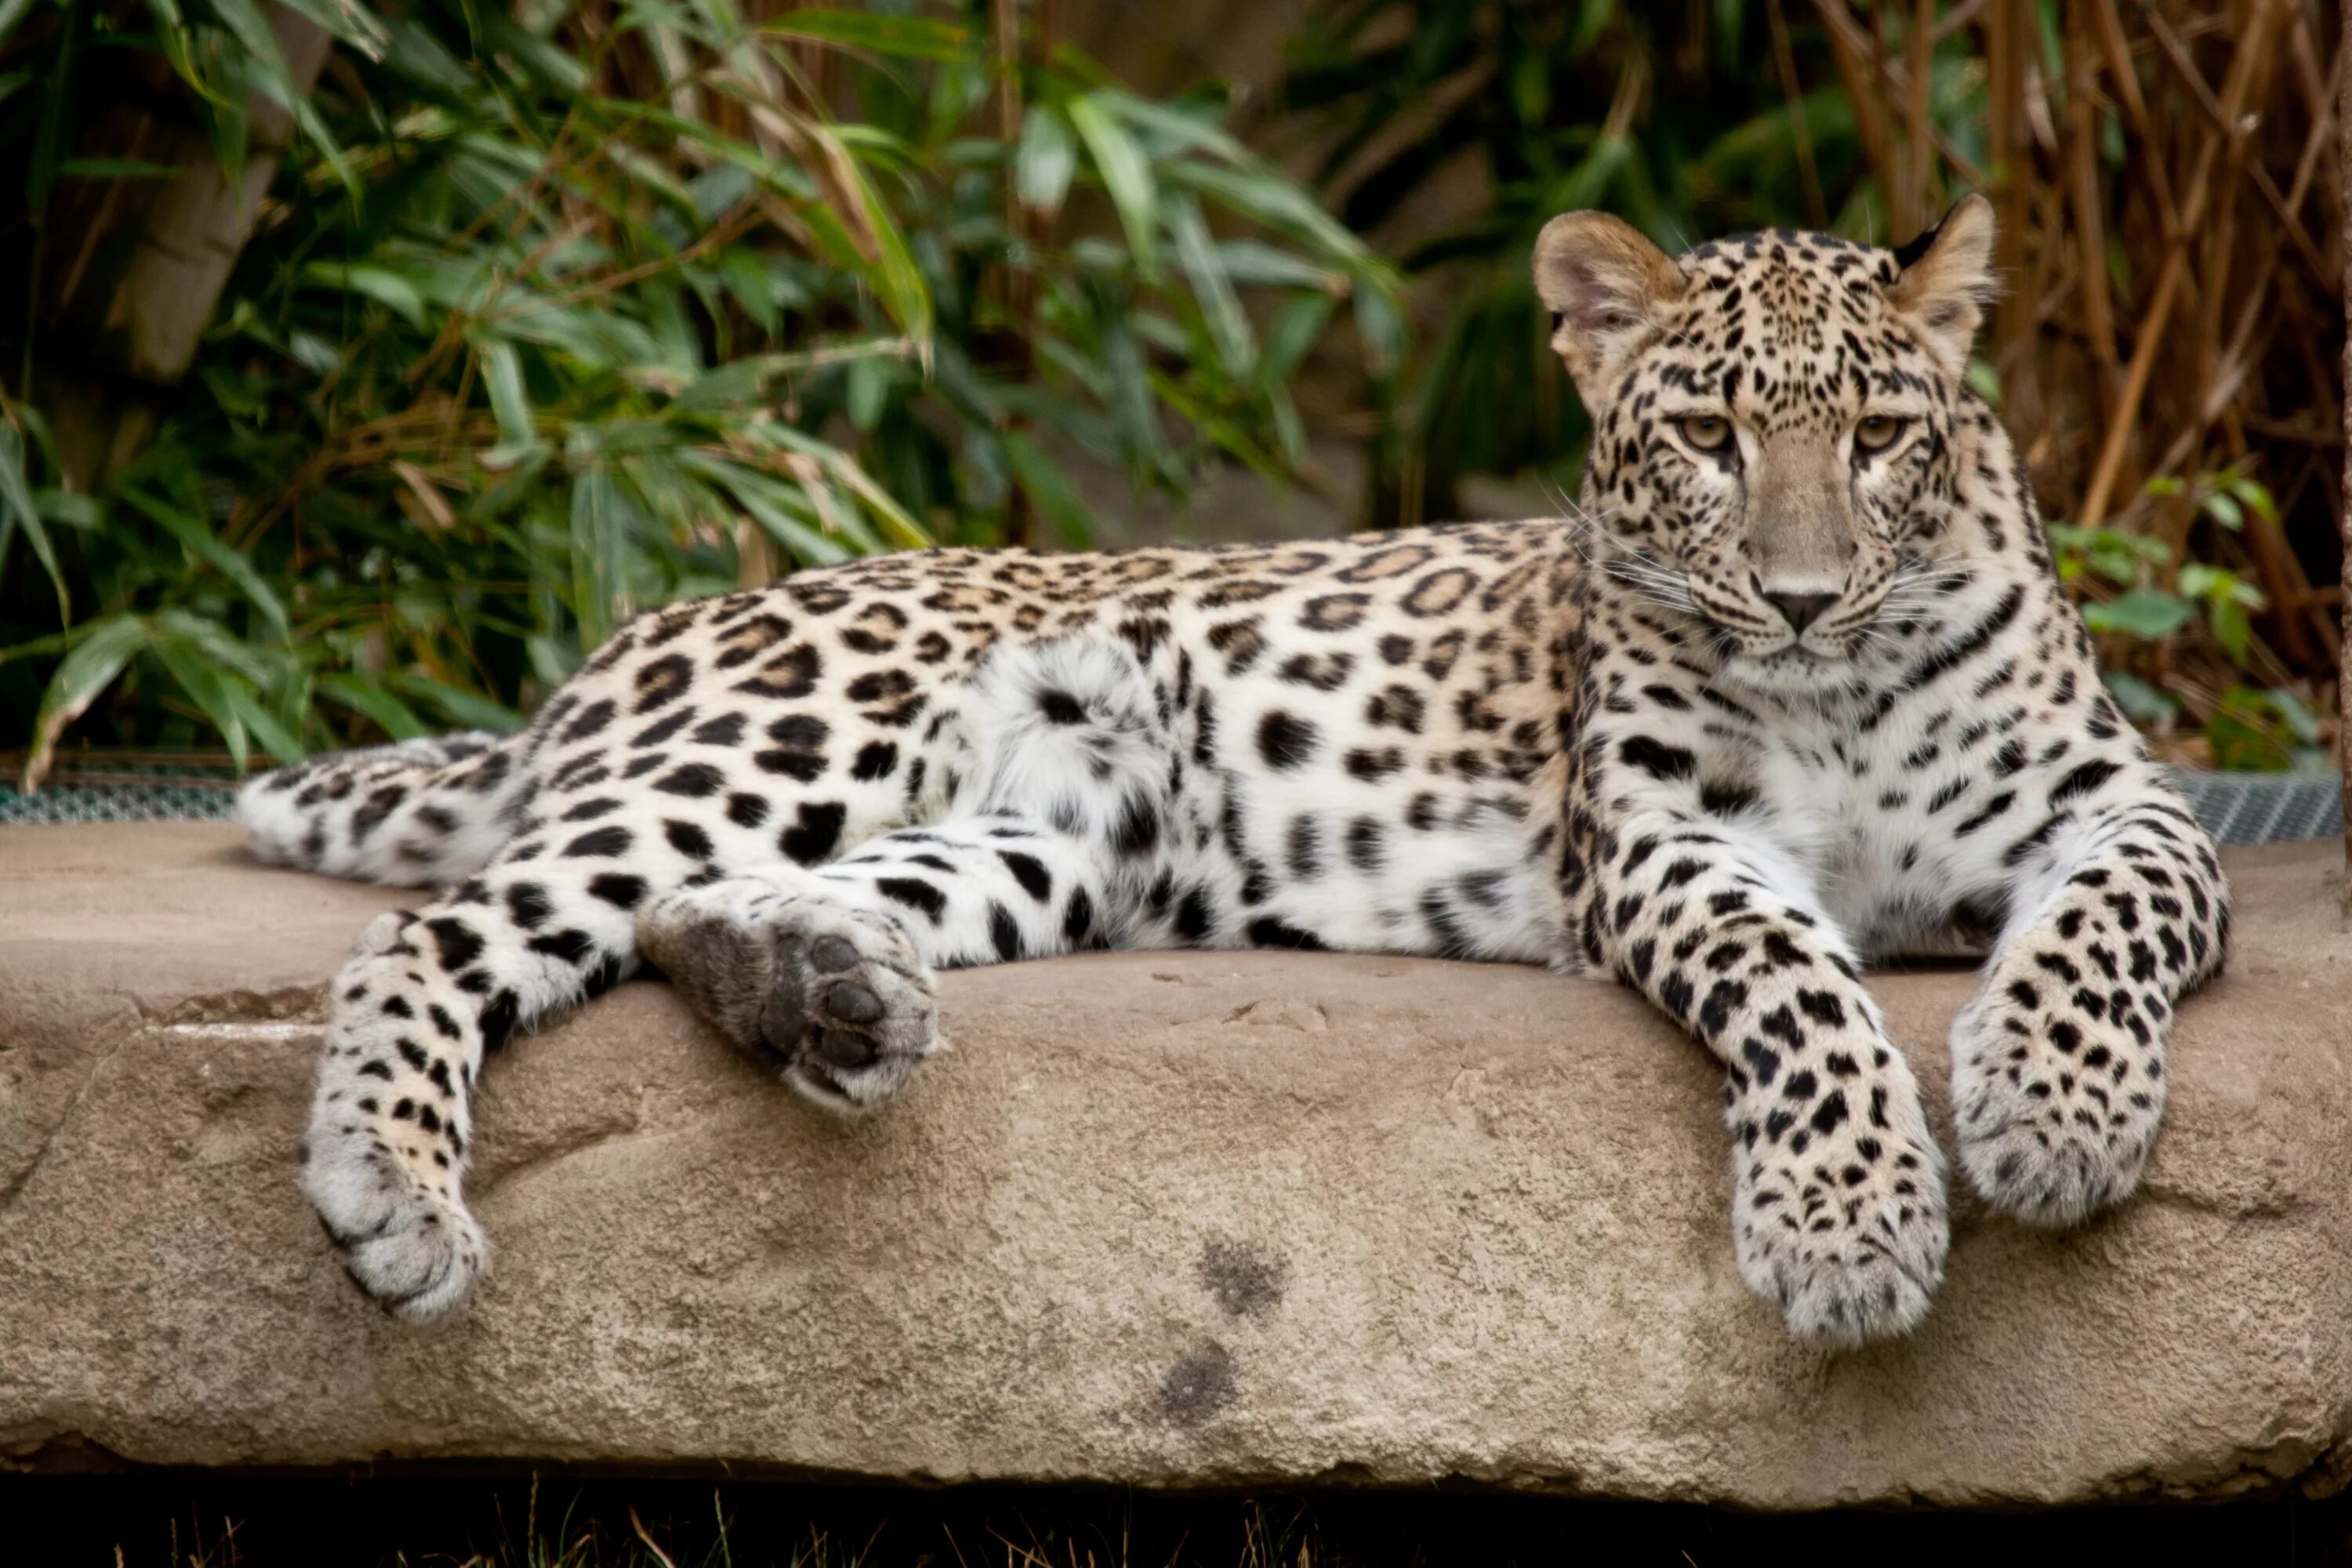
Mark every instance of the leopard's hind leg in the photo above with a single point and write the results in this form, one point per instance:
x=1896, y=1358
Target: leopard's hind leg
x=826, y=971
x=418, y=813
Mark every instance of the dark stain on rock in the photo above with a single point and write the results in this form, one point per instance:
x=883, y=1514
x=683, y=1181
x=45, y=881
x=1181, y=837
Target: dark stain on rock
x=1199, y=1386
x=1246, y=1282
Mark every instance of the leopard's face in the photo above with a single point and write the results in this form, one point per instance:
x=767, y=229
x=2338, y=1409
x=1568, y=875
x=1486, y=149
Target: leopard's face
x=1773, y=454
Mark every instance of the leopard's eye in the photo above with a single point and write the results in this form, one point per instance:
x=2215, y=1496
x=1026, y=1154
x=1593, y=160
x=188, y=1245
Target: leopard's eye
x=1877, y=433
x=1708, y=432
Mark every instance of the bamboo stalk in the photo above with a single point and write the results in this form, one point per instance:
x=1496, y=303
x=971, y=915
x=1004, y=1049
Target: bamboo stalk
x=1784, y=58
x=2166, y=292
x=2090, y=213
x=2344, y=664
x=1849, y=47
x=1914, y=181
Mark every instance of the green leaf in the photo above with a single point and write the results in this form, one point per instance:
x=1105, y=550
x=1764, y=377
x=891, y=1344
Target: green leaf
x=114, y=169
x=365, y=695
x=2139, y=699
x=2198, y=581
x=276, y=739
x=1219, y=305
x=1276, y=202
x=2231, y=629
x=2298, y=718
x=2148, y=614
x=471, y=709
x=601, y=522
x=1046, y=160
x=1127, y=174
x=104, y=647
x=380, y=284
x=2224, y=509
x=197, y=535
x=17, y=511
x=1297, y=327
x=244, y=19
x=346, y=20
x=905, y=293
x=502, y=377
x=2256, y=497
x=914, y=37
x=205, y=686
x=1382, y=330
x=2245, y=736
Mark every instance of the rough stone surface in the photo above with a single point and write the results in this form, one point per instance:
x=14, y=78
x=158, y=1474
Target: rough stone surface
x=1160, y=1219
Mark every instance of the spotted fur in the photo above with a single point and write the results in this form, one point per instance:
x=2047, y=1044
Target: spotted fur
x=1771, y=705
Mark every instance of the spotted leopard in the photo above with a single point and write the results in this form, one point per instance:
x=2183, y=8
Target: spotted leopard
x=1796, y=688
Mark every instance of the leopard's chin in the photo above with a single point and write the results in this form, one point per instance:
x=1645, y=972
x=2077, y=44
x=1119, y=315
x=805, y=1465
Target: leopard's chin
x=1789, y=670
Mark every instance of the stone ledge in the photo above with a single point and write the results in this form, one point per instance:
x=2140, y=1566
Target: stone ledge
x=1179, y=1219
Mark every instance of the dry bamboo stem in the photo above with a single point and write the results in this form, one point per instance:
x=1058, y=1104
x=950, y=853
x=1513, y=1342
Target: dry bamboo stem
x=2344, y=738
x=2168, y=281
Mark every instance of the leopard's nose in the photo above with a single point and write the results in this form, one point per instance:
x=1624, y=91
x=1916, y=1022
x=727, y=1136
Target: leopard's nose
x=1801, y=610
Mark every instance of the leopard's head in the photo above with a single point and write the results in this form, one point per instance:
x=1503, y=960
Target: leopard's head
x=1774, y=424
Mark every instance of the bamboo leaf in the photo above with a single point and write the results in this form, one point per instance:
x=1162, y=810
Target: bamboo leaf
x=17, y=511
x=1046, y=160
x=380, y=284
x=502, y=377
x=197, y=536
x=363, y=694
x=2145, y=612
x=1127, y=174
x=916, y=38
x=276, y=739
x=104, y=647
x=204, y=686
x=1212, y=288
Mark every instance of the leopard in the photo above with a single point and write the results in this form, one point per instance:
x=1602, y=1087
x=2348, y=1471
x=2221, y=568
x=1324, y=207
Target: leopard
x=1792, y=689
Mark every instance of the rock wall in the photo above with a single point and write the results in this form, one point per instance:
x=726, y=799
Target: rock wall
x=1179, y=1219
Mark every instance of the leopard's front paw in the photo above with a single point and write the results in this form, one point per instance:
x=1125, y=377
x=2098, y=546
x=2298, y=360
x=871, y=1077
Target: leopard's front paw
x=408, y=1243
x=1843, y=1221
x=838, y=995
x=851, y=1007
x=1848, y=1268
x=2057, y=1107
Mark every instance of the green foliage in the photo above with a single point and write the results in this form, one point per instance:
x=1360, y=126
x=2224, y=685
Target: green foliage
x=554, y=314
x=2250, y=728
x=1671, y=116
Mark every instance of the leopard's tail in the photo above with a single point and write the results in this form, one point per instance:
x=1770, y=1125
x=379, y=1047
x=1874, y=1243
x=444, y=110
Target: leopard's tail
x=420, y=814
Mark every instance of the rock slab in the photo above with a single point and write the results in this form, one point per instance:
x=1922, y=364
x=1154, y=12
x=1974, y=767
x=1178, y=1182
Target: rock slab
x=1167, y=1219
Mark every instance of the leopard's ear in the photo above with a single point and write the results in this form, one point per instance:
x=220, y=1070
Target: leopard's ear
x=1602, y=282
x=1947, y=279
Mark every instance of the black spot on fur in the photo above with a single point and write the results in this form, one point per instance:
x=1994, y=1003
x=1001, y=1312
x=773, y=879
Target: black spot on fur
x=697, y=781
x=1267, y=932
x=1284, y=741
x=1003, y=933
x=617, y=889
x=1026, y=869
x=1656, y=759
x=527, y=904
x=814, y=835
x=603, y=841
x=914, y=893
x=456, y=943
x=662, y=680
x=1079, y=919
